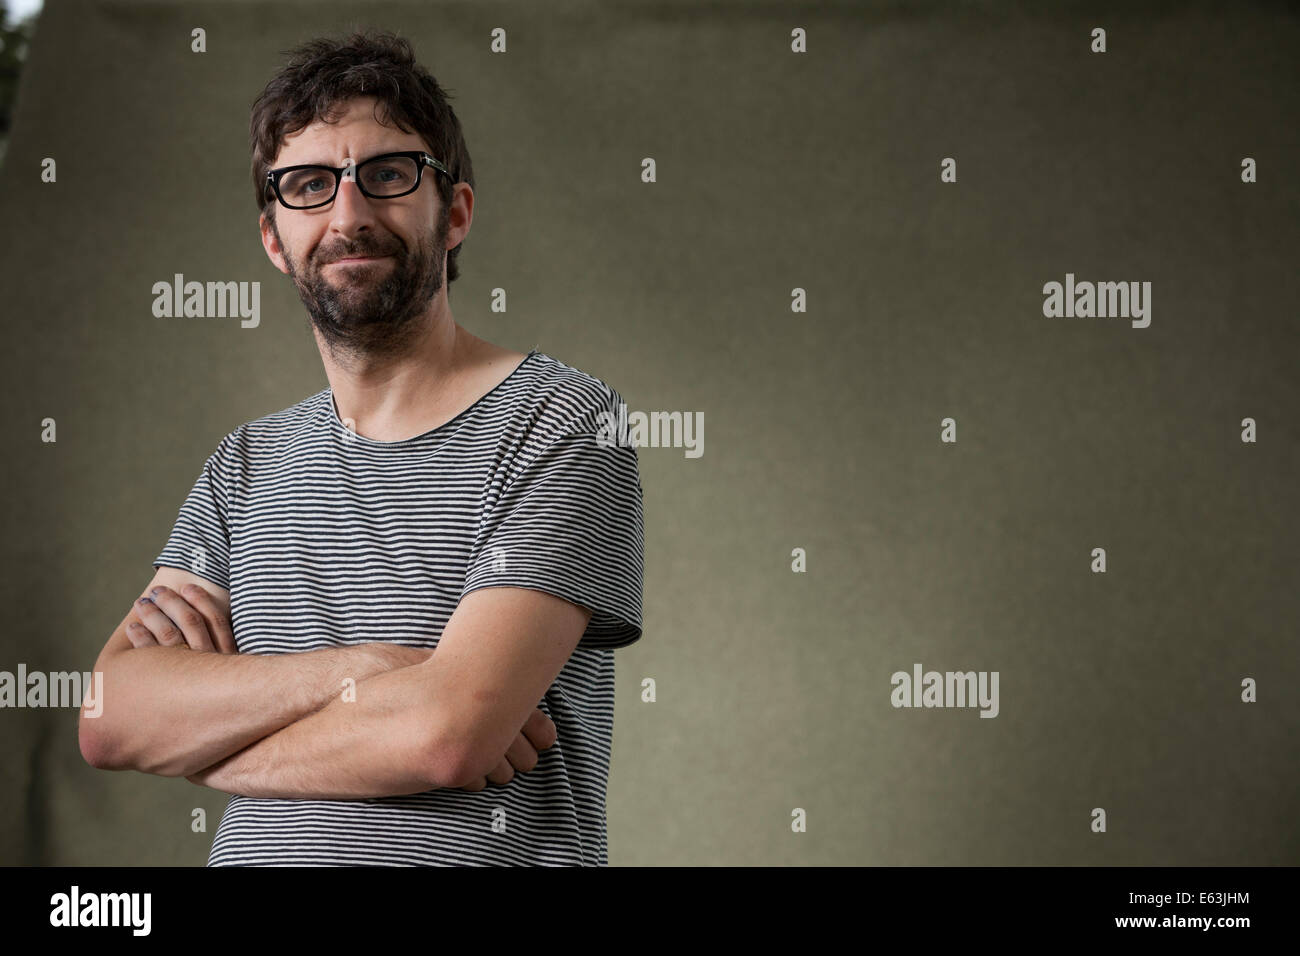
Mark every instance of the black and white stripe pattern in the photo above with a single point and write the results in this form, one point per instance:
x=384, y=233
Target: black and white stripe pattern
x=325, y=538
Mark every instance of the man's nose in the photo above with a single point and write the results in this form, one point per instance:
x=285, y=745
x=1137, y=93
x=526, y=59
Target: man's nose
x=351, y=211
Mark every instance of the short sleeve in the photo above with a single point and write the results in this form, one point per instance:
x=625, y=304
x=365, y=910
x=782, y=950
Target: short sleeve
x=570, y=523
x=200, y=539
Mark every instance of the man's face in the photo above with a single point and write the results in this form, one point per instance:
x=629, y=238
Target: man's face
x=373, y=306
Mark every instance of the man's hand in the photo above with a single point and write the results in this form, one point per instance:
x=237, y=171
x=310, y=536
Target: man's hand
x=195, y=621
x=538, y=733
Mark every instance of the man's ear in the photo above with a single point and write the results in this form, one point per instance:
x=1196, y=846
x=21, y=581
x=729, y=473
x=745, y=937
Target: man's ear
x=271, y=243
x=461, y=215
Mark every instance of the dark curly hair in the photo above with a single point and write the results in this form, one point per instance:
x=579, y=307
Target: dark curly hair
x=322, y=74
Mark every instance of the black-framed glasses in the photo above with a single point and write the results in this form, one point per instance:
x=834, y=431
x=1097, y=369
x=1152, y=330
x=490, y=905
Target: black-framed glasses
x=380, y=177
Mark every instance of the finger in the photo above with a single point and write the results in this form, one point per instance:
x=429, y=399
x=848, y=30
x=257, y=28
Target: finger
x=185, y=616
x=218, y=624
x=540, y=730
x=503, y=772
x=478, y=785
x=521, y=754
x=159, y=624
x=139, y=635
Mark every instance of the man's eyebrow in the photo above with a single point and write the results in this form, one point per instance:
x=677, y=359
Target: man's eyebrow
x=382, y=152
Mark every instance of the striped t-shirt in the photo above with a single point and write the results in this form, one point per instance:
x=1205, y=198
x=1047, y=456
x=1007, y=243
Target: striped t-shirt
x=324, y=538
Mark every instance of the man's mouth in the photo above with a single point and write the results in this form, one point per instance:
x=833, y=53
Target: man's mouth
x=353, y=260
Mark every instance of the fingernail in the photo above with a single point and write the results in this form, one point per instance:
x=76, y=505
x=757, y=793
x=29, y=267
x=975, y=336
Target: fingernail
x=145, y=600
x=156, y=590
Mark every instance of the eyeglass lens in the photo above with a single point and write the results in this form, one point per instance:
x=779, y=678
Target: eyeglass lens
x=389, y=176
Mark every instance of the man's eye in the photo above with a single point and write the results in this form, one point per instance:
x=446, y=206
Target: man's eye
x=390, y=176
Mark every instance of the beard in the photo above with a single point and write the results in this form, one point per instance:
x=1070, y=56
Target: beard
x=372, y=310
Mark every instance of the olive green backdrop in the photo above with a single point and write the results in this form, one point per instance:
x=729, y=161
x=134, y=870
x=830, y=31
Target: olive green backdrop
x=776, y=171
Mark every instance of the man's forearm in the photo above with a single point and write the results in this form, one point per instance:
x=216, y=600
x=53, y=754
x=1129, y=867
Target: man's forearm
x=174, y=711
x=385, y=742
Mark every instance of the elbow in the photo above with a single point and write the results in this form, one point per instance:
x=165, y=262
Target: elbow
x=97, y=745
x=105, y=749
x=100, y=742
x=93, y=734
x=106, y=744
x=102, y=747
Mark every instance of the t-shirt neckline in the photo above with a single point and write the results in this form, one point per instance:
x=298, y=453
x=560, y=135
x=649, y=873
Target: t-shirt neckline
x=331, y=410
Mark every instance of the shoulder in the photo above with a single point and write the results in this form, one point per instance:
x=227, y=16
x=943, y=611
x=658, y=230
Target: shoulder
x=275, y=431
x=555, y=399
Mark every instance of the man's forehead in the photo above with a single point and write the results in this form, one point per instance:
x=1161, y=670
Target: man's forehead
x=353, y=134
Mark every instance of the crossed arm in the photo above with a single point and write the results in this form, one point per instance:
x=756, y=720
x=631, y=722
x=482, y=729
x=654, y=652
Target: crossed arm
x=278, y=726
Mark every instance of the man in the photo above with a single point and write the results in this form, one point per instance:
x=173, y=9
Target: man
x=379, y=599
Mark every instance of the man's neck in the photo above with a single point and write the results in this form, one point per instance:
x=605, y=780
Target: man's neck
x=394, y=397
